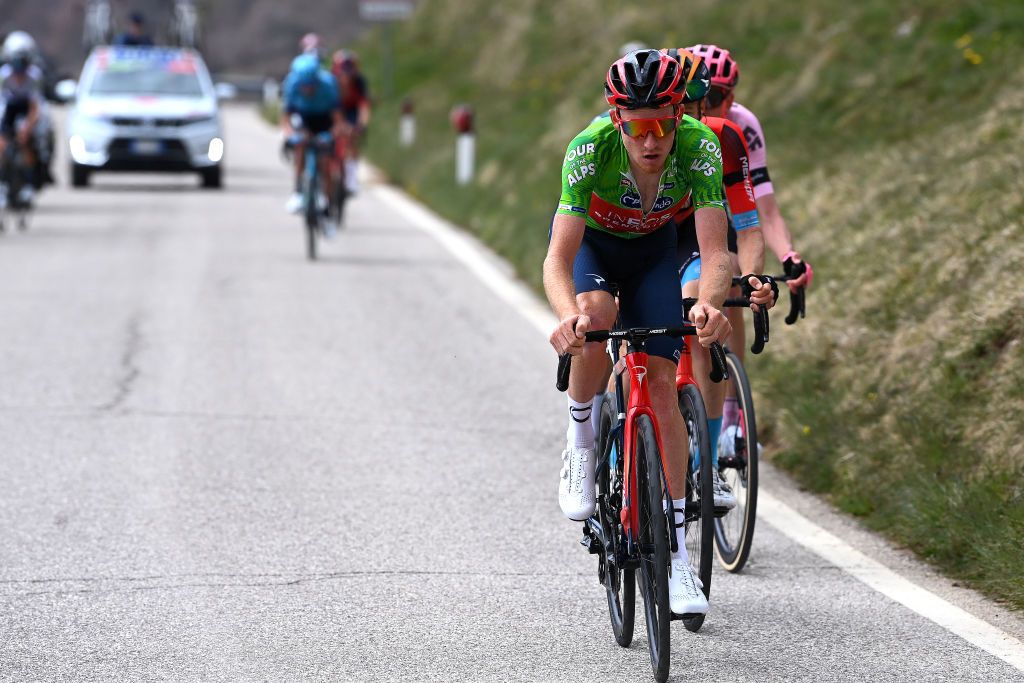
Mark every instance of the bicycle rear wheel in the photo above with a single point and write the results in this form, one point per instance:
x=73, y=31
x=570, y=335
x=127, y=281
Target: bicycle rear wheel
x=653, y=542
x=619, y=583
x=700, y=503
x=734, y=532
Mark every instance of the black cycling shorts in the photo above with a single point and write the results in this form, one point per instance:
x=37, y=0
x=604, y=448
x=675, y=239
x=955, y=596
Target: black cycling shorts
x=646, y=273
x=688, y=250
x=317, y=123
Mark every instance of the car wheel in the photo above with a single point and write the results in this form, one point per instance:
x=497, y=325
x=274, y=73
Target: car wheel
x=79, y=175
x=211, y=177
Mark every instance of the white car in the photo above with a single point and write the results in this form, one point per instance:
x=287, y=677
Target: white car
x=145, y=109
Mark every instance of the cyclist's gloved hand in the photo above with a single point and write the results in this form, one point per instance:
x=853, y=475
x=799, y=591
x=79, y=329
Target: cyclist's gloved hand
x=760, y=289
x=793, y=264
x=570, y=334
x=711, y=324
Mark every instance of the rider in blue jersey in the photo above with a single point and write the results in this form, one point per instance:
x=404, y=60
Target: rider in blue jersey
x=311, y=105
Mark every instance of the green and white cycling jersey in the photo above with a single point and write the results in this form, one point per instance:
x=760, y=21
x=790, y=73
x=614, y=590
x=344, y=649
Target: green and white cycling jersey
x=597, y=181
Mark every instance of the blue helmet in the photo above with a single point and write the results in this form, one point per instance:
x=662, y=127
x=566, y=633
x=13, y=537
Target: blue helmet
x=306, y=68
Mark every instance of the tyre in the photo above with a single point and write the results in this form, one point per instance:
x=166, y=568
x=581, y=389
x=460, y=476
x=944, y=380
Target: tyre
x=311, y=214
x=79, y=175
x=211, y=177
x=653, y=542
x=619, y=583
x=700, y=503
x=734, y=532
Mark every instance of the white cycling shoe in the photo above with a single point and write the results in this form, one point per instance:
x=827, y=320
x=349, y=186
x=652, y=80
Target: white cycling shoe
x=576, y=484
x=294, y=203
x=727, y=442
x=684, y=590
x=725, y=499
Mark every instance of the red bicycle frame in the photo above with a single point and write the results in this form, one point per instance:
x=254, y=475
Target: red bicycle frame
x=635, y=362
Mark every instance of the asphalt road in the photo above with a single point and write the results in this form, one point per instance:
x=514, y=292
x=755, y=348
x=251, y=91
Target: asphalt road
x=221, y=462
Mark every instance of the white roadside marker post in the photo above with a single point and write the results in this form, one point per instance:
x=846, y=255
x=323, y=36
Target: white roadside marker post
x=465, y=143
x=407, y=124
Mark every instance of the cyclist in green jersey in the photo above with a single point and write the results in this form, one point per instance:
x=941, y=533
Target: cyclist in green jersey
x=623, y=178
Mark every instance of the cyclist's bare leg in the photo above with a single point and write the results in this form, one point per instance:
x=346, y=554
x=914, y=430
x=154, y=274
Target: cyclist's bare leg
x=712, y=393
x=590, y=369
x=665, y=401
x=300, y=162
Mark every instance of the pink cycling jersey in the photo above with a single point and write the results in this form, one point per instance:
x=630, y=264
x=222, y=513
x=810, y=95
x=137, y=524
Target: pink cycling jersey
x=751, y=127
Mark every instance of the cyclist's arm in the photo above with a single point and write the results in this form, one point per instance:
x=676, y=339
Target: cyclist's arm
x=750, y=245
x=716, y=266
x=776, y=232
x=566, y=237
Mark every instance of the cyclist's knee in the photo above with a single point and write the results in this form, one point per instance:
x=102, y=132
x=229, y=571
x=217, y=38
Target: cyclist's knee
x=599, y=306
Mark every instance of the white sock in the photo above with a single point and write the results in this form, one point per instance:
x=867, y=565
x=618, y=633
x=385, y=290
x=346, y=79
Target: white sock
x=581, y=430
x=679, y=507
x=595, y=414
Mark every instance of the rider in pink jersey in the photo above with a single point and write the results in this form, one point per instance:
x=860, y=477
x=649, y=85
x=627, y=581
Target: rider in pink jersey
x=720, y=101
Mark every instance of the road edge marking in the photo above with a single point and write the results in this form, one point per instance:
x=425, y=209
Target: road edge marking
x=886, y=581
x=498, y=276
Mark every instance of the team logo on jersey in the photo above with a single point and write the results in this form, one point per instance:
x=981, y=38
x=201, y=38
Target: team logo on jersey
x=579, y=151
x=630, y=200
x=580, y=173
x=661, y=203
x=753, y=139
x=709, y=146
x=705, y=167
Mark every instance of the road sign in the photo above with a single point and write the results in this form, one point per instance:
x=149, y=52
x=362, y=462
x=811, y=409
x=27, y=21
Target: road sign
x=386, y=10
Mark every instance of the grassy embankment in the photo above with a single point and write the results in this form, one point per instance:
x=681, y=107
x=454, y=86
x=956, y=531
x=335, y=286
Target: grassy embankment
x=895, y=131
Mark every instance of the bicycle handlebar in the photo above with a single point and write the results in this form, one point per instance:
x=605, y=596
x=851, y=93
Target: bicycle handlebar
x=760, y=319
x=718, y=367
x=797, y=299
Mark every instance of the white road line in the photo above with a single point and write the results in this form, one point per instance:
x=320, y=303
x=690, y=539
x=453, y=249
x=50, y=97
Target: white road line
x=497, y=276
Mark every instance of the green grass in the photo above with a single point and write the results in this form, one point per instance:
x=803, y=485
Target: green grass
x=895, y=130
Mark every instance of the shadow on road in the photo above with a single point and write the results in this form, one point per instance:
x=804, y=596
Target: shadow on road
x=384, y=261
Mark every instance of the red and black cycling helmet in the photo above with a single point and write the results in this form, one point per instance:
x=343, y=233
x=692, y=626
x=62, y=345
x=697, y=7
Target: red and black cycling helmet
x=725, y=72
x=695, y=71
x=644, y=79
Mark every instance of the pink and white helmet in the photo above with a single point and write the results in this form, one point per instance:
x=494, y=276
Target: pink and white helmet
x=725, y=72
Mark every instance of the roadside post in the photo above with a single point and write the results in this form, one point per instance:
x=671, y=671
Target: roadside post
x=386, y=12
x=465, y=143
x=407, y=124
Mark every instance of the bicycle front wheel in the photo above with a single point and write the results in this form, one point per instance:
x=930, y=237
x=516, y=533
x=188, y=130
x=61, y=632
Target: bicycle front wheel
x=734, y=532
x=312, y=214
x=619, y=582
x=700, y=498
x=653, y=542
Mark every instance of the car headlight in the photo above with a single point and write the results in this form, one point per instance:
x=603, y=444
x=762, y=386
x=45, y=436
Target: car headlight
x=216, y=150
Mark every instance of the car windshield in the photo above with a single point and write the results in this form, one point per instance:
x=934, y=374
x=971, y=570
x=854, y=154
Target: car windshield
x=155, y=73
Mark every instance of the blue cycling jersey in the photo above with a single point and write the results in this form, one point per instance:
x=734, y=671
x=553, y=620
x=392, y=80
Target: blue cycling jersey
x=322, y=100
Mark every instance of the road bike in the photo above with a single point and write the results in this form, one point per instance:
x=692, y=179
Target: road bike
x=734, y=529
x=15, y=175
x=312, y=212
x=632, y=529
x=339, y=189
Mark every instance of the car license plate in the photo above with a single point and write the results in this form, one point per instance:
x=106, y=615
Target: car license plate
x=147, y=146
